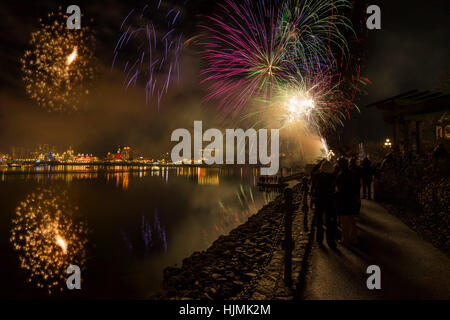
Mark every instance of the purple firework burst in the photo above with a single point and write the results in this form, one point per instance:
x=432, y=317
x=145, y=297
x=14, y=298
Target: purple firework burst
x=149, y=48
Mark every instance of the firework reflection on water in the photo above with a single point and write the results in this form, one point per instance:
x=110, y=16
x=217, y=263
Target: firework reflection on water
x=48, y=237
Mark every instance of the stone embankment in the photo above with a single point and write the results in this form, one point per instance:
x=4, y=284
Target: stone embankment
x=245, y=264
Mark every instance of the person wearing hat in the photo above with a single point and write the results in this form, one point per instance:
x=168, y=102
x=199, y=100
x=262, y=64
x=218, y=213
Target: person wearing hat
x=325, y=204
x=346, y=202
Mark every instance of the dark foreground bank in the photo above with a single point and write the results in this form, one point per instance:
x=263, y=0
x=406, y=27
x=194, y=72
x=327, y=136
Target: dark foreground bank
x=233, y=264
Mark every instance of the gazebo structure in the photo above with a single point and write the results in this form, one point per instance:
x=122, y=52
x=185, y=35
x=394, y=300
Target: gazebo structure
x=420, y=119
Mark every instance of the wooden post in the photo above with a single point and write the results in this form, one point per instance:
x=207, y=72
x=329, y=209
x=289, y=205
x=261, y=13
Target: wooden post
x=406, y=138
x=395, y=138
x=418, y=147
x=288, y=244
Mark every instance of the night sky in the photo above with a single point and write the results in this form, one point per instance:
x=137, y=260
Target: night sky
x=409, y=52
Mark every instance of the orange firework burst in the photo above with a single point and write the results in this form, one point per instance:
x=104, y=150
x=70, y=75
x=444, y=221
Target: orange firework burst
x=58, y=68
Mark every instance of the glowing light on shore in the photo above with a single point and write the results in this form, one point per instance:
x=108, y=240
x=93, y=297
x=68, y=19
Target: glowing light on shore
x=388, y=143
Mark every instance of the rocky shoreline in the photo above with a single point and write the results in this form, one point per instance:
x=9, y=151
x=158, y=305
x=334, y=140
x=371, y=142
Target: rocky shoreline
x=233, y=263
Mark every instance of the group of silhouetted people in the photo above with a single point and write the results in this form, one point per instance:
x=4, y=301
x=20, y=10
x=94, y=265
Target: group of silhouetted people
x=336, y=198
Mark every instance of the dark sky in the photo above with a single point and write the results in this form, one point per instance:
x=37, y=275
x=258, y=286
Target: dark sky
x=410, y=51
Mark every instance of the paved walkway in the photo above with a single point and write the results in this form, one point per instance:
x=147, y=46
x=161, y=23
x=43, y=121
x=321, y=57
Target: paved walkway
x=411, y=268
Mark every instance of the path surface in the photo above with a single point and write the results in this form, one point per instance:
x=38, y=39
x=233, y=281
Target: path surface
x=411, y=268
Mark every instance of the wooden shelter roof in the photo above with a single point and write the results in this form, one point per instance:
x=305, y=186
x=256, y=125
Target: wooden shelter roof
x=413, y=102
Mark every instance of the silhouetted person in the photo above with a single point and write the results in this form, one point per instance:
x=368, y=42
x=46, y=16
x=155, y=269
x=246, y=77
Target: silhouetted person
x=439, y=152
x=388, y=161
x=346, y=202
x=288, y=243
x=325, y=203
x=305, y=191
x=356, y=172
x=367, y=176
x=314, y=172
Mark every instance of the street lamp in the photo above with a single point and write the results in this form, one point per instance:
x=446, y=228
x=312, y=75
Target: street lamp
x=388, y=143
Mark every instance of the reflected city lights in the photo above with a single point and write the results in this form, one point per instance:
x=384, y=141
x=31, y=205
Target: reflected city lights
x=122, y=176
x=208, y=177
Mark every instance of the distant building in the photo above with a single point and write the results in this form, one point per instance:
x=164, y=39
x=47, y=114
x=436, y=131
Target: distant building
x=84, y=158
x=126, y=154
x=68, y=155
x=420, y=120
x=40, y=152
x=50, y=156
x=110, y=156
x=18, y=153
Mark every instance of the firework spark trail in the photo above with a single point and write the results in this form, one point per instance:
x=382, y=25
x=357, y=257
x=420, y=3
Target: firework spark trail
x=146, y=232
x=255, y=46
x=330, y=103
x=152, y=235
x=242, y=58
x=59, y=67
x=151, y=44
x=48, y=237
x=327, y=152
x=314, y=99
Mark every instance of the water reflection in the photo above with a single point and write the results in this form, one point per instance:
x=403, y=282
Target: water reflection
x=152, y=236
x=121, y=175
x=141, y=219
x=209, y=177
x=230, y=215
x=48, y=238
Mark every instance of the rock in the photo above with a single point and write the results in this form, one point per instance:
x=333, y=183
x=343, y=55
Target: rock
x=258, y=296
x=250, y=274
x=222, y=270
x=207, y=296
x=283, y=298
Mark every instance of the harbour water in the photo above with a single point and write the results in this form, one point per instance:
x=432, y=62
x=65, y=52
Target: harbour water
x=123, y=225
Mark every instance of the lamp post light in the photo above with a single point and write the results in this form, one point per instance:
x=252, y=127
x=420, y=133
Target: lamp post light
x=388, y=143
